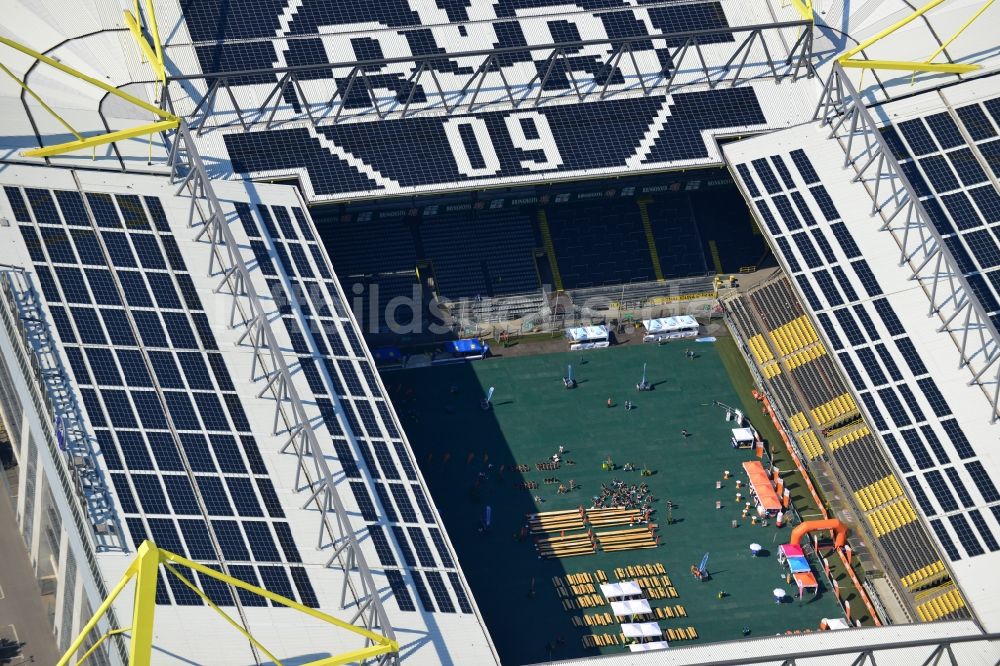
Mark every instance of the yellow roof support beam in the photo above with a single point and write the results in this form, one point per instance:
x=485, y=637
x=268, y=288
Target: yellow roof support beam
x=101, y=139
x=925, y=66
x=168, y=121
x=804, y=8
x=909, y=66
x=154, y=51
x=145, y=569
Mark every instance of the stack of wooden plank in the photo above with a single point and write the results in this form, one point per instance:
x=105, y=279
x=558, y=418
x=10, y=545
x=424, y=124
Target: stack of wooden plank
x=555, y=521
x=628, y=539
x=566, y=545
x=584, y=601
x=610, y=517
x=656, y=587
x=681, y=634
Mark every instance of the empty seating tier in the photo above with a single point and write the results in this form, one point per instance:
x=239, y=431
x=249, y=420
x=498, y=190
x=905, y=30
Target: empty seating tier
x=924, y=574
x=891, y=516
x=881, y=492
x=940, y=607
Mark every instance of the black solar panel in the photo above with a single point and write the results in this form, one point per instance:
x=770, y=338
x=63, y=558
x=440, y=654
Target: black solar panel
x=901, y=418
x=959, y=487
x=828, y=288
x=436, y=583
x=400, y=591
x=917, y=136
x=422, y=594
x=803, y=208
x=910, y=436
x=786, y=212
x=965, y=535
x=983, y=481
x=786, y=252
x=890, y=440
x=975, y=122
x=420, y=545
x=918, y=493
x=463, y=599
x=804, y=166
x=852, y=371
x=782, y=169
x=984, y=531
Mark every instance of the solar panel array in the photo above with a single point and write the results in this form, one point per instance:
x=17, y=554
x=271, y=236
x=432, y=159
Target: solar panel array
x=172, y=430
x=902, y=399
x=950, y=165
x=363, y=152
x=266, y=33
x=359, y=421
x=402, y=154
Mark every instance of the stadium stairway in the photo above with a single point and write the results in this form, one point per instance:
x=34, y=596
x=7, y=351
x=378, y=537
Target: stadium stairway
x=647, y=225
x=550, y=248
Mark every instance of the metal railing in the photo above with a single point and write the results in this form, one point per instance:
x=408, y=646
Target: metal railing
x=64, y=424
x=341, y=91
x=82, y=513
x=921, y=247
x=269, y=365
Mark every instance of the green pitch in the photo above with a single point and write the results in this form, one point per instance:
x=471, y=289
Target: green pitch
x=532, y=415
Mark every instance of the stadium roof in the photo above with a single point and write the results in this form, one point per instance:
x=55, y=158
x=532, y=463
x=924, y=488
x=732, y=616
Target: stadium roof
x=900, y=644
x=927, y=394
x=165, y=420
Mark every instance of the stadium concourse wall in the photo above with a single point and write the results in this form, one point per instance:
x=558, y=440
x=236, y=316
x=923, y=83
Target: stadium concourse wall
x=546, y=311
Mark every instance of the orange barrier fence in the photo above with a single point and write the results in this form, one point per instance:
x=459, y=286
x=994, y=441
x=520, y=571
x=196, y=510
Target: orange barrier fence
x=819, y=503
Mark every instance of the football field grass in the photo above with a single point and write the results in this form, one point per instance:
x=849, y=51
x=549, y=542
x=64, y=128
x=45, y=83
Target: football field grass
x=532, y=415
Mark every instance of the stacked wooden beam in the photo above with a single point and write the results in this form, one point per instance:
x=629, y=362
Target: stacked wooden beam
x=682, y=634
x=629, y=539
x=656, y=587
x=566, y=545
x=555, y=521
x=633, y=572
x=610, y=517
x=600, y=640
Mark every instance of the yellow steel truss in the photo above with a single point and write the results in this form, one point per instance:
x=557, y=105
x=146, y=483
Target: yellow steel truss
x=804, y=8
x=846, y=59
x=166, y=120
x=145, y=570
x=154, y=51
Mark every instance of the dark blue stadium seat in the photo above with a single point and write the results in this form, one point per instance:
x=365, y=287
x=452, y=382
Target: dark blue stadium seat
x=599, y=243
x=487, y=253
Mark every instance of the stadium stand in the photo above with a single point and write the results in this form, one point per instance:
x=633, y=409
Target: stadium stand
x=137, y=298
x=822, y=417
x=487, y=253
x=609, y=248
x=674, y=229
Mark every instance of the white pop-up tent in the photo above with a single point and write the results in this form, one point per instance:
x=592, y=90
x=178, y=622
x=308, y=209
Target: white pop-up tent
x=743, y=438
x=669, y=328
x=588, y=337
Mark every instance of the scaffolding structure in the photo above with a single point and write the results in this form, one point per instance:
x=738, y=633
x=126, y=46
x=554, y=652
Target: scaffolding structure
x=313, y=479
x=931, y=263
x=225, y=99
